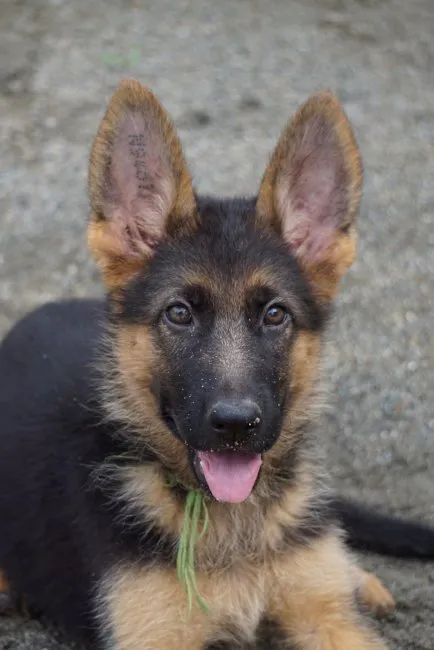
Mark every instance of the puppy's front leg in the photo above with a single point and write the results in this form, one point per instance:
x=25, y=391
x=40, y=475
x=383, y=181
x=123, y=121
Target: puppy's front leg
x=147, y=609
x=313, y=599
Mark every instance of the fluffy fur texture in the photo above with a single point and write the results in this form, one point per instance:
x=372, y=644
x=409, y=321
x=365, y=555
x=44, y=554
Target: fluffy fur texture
x=213, y=306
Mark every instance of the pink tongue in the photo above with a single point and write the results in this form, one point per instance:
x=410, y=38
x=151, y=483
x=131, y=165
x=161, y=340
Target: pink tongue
x=230, y=475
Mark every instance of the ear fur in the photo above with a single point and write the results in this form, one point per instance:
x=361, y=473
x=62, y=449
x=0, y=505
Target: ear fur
x=139, y=185
x=310, y=192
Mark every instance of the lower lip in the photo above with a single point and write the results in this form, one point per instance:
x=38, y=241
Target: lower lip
x=199, y=473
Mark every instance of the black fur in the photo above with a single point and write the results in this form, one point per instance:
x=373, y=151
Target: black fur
x=371, y=531
x=59, y=529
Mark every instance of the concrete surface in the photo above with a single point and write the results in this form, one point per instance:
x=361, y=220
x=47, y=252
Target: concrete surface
x=231, y=72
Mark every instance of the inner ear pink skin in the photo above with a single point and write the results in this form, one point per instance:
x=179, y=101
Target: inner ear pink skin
x=139, y=186
x=308, y=227
x=311, y=191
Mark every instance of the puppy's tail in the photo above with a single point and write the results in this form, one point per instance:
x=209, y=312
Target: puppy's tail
x=370, y=531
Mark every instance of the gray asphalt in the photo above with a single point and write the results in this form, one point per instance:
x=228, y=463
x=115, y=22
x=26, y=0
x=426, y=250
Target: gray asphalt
x=231, y=72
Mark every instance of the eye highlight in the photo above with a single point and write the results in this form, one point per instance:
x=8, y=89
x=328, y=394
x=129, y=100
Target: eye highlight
x=178, y=314
x=274, y=316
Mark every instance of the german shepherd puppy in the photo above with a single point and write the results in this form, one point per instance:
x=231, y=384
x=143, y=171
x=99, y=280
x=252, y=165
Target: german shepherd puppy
x=198, y=373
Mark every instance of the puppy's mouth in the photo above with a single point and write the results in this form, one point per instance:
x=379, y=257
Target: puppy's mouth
x=229, y=475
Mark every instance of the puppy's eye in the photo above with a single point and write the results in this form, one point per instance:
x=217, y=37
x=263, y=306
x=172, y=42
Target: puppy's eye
x=179, y=314
x=275, y=315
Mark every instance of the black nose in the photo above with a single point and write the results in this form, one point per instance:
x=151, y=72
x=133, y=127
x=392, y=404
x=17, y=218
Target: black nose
x=235, y=420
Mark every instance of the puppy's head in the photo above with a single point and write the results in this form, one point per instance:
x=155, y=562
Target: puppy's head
x=218, y=305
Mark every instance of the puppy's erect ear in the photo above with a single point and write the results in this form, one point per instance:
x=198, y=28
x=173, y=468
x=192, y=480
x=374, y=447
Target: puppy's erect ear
x=139, y=185
x=310, y=192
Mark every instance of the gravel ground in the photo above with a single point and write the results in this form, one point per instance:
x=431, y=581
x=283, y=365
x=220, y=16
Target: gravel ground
x=231, y=72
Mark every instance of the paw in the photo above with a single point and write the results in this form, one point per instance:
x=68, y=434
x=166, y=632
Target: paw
x=374, y=595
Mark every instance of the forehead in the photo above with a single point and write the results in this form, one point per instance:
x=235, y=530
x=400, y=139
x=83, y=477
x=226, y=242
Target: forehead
x=228, y=249
x=229, y=263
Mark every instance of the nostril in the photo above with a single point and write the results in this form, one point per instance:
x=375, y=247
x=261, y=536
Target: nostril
x=235, y=418
x=254, y=423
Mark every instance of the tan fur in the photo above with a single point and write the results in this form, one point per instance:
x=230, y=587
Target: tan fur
x=325, y=273
x=130, y=363
x=373, y=594
x=312, y=596
x=105, y=247
x=247, y=530
x=309, y=593
x=148, y=607
x=304, y=362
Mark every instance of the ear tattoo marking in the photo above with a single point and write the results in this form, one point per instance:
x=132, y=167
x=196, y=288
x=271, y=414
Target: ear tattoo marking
x=138, y=150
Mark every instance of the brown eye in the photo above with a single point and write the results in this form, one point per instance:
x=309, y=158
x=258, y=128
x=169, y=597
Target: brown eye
x=179, y=314
x=275, y=315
